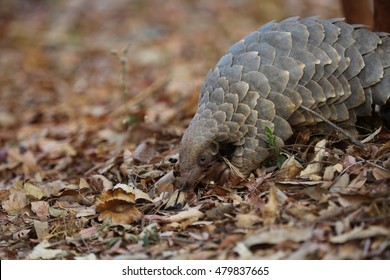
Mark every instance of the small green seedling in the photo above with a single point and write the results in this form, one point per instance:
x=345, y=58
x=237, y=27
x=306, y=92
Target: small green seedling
x=271, y=143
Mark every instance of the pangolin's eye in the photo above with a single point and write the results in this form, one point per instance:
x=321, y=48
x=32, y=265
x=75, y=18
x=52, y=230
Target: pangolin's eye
x=203, y=160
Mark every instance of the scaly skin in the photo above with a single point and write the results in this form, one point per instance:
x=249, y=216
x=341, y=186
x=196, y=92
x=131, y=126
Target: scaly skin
x=338, y=70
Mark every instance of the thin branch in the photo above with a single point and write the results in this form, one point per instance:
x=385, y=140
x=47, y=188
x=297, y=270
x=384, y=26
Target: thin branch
x=339, y=129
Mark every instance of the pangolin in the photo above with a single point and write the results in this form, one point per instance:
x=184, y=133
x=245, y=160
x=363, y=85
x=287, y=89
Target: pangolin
x=267, y=79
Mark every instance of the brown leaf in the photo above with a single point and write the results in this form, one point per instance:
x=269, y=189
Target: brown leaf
x=247, y=220
x=230, y=240
x=220, y=211
x=101, y=183
x=290, y=168
x=243, y=251
x=361, y=233
x=332, y=211
x=191, y=213
x=341, y=183
x=55, y=149
x=330, y=171
x=41, y=208
x=54, y=212
x=315, y=167
x=117, y=205
x=16, y=202
x=165, y=183
x=88, y=232
x=258, y=182
x=26, y=159
x=21, y=235
x=41, y=229
x=271, y=209
x=314, y=192
x=278, y=235
x=144, y=152
x=33, y=190
x=176, y=199
x=41, y=252
x=353, y=200
x=7, y=119
x=138, y=194
x=56, y=188
x=349, y=160
x=380, y=174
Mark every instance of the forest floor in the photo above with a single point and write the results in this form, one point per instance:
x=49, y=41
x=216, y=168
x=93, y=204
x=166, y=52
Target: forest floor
x=95, y=96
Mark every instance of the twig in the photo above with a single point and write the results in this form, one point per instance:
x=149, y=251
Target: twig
x=124, y=71
x=339, y=129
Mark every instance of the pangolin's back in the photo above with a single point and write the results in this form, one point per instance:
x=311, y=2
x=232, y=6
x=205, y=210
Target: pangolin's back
x=266, y=79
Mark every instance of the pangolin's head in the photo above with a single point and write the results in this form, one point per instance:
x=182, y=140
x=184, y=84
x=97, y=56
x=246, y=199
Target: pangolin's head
x=197, y=155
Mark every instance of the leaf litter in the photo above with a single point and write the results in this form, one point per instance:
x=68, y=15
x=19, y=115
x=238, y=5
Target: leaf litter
x=89, y=146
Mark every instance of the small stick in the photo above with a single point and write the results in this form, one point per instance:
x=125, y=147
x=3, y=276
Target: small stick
x=339, y=129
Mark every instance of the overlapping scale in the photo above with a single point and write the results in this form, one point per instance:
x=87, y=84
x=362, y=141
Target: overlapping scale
x=336, y=69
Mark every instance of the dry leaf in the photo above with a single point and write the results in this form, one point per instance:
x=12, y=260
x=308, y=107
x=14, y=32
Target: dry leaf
x=290, y=168
x=88, y=232
x=316, y=167
x=33, y=190
x=102, y=182
x=118, y=206
x=84, y=211
x=330, y=170
x=7, y=119
x=347, y=251
x=41, y=229
x=271, y=209
x=360, y=233
x=55, y=149
x=165, y=183
x=247, y=220
x=144, y=152
x=230, y=240
x=278, y=235
x=341, y=183
x=90, y=256
x=26, y=159
x=371, y=136
x=138, y=194
x=243, y=251
x=314, y=192
x=332, y=211
x=83, y=184
x=41, y=208
x=349, y=160
x=380, y=174
x=56, y=188
x=353, y=200
x=21, y=235
x=176, y=200
x=40, y=252
x=235, y=198
x=16, y=202
x=54, y=212
x=220, y=211
x=191, y=213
